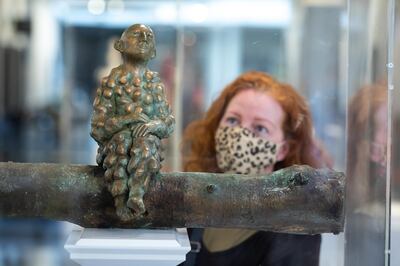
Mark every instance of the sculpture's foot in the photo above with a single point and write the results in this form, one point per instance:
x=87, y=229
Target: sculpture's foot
x=136, y=204
x=125, y=214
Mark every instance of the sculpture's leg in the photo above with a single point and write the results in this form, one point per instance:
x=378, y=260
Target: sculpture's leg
x=115, y=163
x=122, y=210
x=136, y=193
x=144, y=162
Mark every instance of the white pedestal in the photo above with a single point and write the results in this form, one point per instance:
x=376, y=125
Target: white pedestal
x=120, y=247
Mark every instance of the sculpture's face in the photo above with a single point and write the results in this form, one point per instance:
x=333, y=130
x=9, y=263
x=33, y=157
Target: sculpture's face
x=139, y=42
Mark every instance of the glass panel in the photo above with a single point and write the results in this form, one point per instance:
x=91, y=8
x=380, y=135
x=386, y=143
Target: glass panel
x=395, y=153
x=367, y=134
x=334, y=52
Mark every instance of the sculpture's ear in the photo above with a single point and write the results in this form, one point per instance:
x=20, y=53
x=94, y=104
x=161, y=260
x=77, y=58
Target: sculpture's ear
x=154, y=53
x=119, y=46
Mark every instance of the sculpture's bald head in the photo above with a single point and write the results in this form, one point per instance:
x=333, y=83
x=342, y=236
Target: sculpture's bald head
x=137, y=41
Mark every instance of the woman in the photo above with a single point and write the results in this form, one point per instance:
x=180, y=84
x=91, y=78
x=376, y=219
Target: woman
x=261, y=110
x=366, y=176
x=367, y=131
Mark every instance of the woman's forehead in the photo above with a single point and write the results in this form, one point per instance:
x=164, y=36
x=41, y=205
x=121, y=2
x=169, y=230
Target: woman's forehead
x=259, y=100
x=256, y=104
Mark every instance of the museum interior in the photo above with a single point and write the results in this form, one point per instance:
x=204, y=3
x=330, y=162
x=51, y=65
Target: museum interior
x=342, y=56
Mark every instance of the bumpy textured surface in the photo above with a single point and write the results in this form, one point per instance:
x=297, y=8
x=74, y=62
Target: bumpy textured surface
x=298, y=199
x=131, y=115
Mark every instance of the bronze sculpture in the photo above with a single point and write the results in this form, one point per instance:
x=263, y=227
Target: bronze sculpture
x=130, y=117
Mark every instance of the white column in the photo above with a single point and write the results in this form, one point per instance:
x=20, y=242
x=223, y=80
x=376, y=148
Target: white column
x=120, y=247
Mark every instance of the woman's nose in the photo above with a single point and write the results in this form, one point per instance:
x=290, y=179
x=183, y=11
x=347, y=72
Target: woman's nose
x=246, y=125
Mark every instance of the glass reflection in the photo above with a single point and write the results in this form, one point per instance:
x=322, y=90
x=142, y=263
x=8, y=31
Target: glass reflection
x=366, y=176
x=53, y=52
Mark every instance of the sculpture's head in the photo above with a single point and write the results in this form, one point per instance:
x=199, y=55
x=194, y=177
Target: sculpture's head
x=138, y=42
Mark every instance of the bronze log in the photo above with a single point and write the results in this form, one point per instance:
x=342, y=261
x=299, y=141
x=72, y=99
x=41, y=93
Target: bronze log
x=297, y=199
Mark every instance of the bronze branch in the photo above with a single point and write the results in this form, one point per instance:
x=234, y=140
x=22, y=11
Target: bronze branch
x=297, y=199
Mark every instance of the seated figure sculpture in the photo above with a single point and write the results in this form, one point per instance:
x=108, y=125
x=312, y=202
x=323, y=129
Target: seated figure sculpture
x=131, y=116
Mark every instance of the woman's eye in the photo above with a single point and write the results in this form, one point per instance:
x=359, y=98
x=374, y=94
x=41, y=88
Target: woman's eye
x=260, y=129
x=232, y=121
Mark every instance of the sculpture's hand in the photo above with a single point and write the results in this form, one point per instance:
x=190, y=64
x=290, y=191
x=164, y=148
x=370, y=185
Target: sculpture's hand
x=139, y=130
x=142, y=118
x=133, y=119
x=154, y=127
x=117, y=123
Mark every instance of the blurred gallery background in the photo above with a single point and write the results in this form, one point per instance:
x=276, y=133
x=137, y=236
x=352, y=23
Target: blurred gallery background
x=54, y=52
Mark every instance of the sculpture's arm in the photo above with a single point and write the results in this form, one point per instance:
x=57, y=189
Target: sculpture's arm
x=120, y=122
x=162, y=128
x=106, y=121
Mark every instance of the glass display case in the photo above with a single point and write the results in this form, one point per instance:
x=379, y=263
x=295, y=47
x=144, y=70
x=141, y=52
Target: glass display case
x=340, y=55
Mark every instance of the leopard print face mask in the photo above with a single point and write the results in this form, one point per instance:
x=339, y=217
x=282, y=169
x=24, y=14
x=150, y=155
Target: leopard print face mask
x=240, y=151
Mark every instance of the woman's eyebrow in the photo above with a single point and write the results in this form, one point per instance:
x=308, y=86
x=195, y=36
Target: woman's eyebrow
x=233, y=113
x=265, y=120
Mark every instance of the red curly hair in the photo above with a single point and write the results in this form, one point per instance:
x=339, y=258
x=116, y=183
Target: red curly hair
x=362, y=108
x=199, y=143
x=361, y=175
